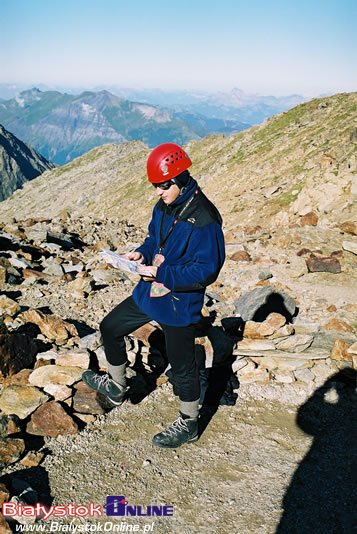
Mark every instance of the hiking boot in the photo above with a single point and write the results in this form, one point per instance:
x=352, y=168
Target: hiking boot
x=183, y=430
x=105, y=385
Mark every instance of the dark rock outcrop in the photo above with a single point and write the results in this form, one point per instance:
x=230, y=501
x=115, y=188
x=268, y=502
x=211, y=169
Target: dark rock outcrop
x=18, y=163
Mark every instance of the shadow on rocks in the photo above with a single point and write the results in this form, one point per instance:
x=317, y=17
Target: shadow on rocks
x=218, y=383
x=28, y=487
x=322, y=496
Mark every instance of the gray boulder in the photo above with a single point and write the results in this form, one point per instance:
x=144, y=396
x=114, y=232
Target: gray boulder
x=259, y=303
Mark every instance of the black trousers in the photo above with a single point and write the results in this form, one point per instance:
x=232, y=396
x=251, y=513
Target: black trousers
x=179, y=341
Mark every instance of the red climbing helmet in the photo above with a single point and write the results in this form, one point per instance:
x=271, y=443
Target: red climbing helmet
x=165, y=162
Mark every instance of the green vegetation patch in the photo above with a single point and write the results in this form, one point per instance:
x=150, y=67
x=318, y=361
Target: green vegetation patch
x=289, y=196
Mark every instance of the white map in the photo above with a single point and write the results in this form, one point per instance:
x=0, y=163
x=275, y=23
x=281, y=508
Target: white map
x=122, y=263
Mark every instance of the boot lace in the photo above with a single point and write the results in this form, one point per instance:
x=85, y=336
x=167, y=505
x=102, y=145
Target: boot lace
x=177, y=426
x=103, y=380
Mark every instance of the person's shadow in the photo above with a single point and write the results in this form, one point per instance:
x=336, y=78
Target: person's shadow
x=322, y=496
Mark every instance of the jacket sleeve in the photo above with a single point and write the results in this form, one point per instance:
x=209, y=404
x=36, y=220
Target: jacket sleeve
x=201, y=263
x=147, y=249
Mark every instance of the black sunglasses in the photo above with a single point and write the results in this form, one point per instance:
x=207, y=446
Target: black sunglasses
x=164, y=185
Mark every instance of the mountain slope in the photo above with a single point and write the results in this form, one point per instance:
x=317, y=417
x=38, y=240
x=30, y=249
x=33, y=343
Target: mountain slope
x=301, y=159
x=18, y=163
x=63, y=126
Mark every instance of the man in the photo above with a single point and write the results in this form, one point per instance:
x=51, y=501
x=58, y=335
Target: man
x=185, y=252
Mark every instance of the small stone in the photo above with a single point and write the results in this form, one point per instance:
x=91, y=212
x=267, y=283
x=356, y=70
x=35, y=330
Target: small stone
x=323, y=264
x=41, y=363
x=306, y=328
x=32, y=459
x=81, y=285
x=303, y=252
x=290, y=364
x=252, y=330
x=337, y=324
x=47, y=355
x=146, y=463
x=352, y=349
x=350, y=246
x=323, y=371
x=295, y=343
x=52, y=327
x=271, y=190
x=73, y=358
x=11, y=450
x=21, y=378
x=284, y=331
x=349, y=227
x=58, y=392
x=91, y=342
x=9, y=424
x=54, y=269
x=21, y=400
x=8, y=306
x=257, y=330
x=163, y=379
x=304, y=375
x=340, y=351
x=258, y=375
x=332, y=308
x=248, y=368
x=241, y=256
x=86, y=400
x=265, y=275
x=283, y=376
x=239, y=364
x=310, y=219
x=272, y=323
x=85, y=417
x=4, y=495
x=31, y=275
x=255, y=344
x=55, y=374
x=51, y=420
x=101, y=276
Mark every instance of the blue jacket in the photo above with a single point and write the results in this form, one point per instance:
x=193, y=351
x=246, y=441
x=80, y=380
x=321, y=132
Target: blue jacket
x=194, y=254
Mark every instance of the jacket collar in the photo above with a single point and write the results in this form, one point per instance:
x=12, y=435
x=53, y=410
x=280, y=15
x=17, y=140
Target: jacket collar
x=186, y=192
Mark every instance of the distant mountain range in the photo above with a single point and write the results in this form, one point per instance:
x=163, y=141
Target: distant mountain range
x=19, y=163
x=63, y=126
x=269, y=176
x=233, y=105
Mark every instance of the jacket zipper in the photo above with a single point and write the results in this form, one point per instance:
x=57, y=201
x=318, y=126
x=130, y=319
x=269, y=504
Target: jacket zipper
x=173, y=303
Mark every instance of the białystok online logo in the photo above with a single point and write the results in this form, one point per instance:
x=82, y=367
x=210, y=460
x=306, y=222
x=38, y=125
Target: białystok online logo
x=115, y=506
x=119, y=506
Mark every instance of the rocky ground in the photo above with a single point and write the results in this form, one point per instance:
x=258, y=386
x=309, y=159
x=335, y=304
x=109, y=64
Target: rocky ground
x=277, y=457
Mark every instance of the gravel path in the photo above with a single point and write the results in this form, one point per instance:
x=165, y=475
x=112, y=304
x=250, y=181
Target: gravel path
x=233, y=480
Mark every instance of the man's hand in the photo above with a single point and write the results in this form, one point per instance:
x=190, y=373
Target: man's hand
x=152, y=270
x=136, y=256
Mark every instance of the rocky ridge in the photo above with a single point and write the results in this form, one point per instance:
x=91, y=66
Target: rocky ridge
x=19, y=163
